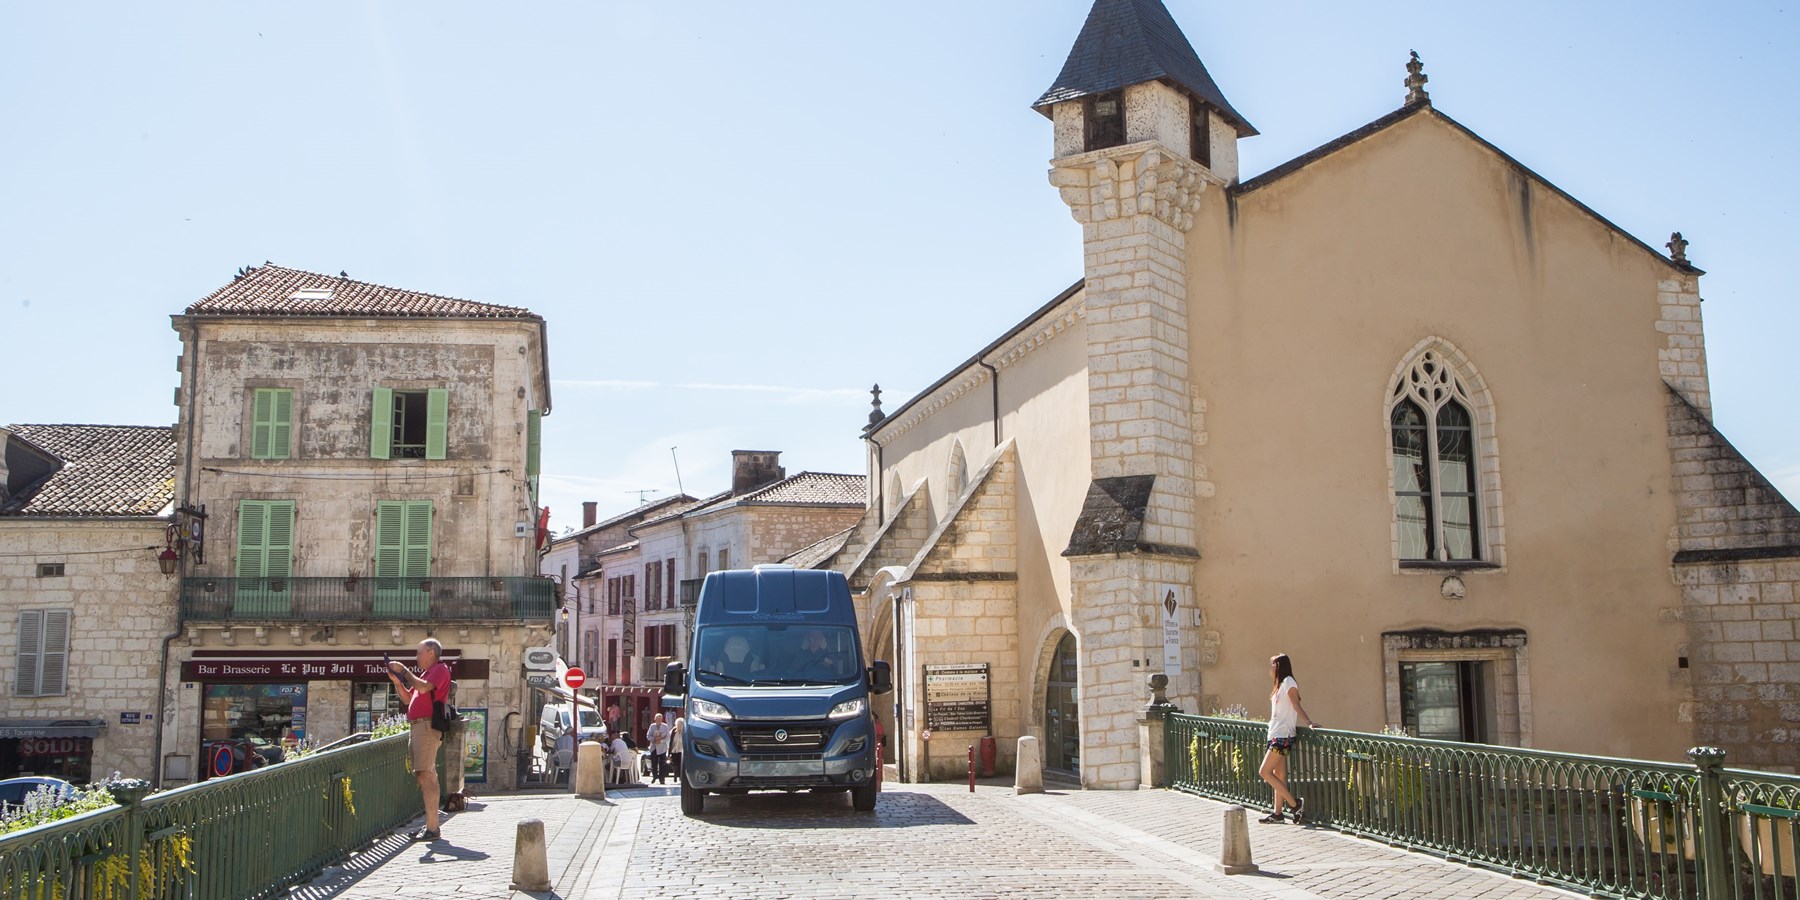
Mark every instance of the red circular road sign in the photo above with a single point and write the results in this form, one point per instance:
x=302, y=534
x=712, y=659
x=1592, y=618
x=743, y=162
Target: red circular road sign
x=574, y=678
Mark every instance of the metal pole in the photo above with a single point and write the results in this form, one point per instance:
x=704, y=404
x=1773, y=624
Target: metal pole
x=574, y=697
x=1711, y=820
x=971, y=768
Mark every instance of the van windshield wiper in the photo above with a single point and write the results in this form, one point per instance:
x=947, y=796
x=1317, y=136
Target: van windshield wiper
x=731, y=678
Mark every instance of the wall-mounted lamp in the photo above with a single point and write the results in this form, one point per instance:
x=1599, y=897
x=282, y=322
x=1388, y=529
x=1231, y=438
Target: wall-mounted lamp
x=167, y=560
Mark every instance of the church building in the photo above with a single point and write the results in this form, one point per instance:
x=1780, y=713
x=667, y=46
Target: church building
x=1400, y=408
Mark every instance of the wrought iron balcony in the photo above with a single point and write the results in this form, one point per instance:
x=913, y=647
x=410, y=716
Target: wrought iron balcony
x=205, y=599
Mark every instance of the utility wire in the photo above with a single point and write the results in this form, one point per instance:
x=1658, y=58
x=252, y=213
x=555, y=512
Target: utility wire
x=60, y=553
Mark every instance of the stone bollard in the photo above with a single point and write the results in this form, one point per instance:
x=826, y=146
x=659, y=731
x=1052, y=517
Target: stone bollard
x=531, y=859
x=590, y=770
x=1234, y=855
x=1028, y=772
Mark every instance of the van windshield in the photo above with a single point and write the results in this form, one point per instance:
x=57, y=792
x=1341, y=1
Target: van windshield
x=776, y=654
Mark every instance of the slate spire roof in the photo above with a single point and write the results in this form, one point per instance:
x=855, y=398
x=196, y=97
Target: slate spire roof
x=1127, y=42
x=271, y=290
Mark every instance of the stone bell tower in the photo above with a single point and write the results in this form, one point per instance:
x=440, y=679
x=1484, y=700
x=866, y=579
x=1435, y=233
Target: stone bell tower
x=1143, y=138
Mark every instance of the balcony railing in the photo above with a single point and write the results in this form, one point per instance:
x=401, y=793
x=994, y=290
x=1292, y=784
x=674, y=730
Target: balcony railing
x=690, y=591
x=651, y=668
x=205, y=599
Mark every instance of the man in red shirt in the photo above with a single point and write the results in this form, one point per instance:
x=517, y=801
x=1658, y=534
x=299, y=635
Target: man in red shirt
x=430, y=685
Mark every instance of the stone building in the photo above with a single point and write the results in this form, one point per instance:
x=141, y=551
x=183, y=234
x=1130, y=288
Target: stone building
x=572, y=558
x=1399, y=407
x=647, y=585
x=85, y=513
x=358, y=471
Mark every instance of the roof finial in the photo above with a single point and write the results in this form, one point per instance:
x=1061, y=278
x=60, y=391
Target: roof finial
x=1677, y=248
x=875, y=415
x=1415, y=81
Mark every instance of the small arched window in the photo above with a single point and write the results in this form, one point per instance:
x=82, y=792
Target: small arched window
x=957, y=477
x=1436, y=495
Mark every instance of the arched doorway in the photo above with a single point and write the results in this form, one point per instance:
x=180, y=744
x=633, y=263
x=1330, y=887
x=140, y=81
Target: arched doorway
x=1062, y=716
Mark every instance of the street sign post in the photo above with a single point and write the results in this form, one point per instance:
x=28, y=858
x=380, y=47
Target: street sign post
x=574, y=678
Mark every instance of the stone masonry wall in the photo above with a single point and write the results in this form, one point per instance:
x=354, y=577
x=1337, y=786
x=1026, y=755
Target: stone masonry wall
x=123, y=606
x=1742, y=620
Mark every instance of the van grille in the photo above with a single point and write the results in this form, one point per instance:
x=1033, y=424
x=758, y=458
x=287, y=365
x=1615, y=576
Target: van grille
x=768, y=739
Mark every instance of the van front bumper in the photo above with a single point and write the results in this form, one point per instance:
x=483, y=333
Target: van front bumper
x=712, y=759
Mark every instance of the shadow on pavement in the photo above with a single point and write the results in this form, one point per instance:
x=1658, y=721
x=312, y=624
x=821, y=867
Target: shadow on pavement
x=897, y=809
x=336, y=880
x=443, y=851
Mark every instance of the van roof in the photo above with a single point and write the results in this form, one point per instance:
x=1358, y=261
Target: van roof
x=771, y=594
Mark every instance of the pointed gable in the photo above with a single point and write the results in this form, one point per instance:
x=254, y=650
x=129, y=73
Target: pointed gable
x=977, y=540
x=1127, y=42
x=1729, y=510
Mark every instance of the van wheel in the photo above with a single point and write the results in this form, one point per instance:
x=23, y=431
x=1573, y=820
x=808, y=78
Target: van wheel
x=693, y=799
x=862, y=799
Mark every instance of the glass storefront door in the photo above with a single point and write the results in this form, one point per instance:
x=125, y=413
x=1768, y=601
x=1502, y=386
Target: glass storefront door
x=271, y=713
x=1062, y=715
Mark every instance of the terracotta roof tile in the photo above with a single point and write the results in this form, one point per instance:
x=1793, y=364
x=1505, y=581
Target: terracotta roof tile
x=271, y=290
x=107, y=470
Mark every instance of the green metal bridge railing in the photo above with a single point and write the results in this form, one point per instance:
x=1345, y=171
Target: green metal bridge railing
x=1609, y=827
x=243, y=836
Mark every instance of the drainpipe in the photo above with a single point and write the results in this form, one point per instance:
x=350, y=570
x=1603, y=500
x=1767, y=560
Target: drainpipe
x=994, y=382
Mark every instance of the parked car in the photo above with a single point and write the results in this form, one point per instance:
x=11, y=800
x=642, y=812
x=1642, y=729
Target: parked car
x=13, y=791
x=555, y=720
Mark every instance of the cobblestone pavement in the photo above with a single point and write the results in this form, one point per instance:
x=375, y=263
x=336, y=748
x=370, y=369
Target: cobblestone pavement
x=925, y=841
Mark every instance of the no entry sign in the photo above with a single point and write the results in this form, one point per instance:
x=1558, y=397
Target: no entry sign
x=574, y=678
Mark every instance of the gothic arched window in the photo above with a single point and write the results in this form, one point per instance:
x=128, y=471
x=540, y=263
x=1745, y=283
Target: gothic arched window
x=1436, y=494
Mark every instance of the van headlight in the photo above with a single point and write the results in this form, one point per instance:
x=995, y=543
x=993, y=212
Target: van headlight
x=707, y=709
x=849, y=709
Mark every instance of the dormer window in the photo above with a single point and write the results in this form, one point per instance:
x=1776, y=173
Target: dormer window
x=1200, y=140
x=1105, y=116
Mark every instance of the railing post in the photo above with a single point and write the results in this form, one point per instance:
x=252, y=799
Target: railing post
x=130, y=793
x=1711, y=820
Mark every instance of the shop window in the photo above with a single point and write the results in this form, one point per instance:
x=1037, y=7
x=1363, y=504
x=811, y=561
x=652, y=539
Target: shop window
x=68, y=758
x=409, y=424
x=370, y=703
x=238, y=721
x=42, y=661
x=271, y=423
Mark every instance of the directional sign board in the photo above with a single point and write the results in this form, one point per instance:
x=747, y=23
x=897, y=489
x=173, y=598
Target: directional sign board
x=541, y=681
x=957, y=699
x=574, y=678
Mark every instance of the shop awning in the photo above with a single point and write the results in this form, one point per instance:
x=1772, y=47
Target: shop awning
x=51, y=728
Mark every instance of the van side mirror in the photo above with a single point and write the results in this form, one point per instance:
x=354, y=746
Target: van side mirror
x=881, y=677
x=675, y=679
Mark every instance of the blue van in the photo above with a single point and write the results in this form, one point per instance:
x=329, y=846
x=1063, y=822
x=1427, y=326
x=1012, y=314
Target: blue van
x=777, y=698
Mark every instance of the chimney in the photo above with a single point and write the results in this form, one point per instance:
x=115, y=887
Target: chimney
x=590, y=513
x=752, y=469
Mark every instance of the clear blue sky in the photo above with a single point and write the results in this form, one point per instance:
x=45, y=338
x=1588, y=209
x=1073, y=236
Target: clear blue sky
x=736, y=216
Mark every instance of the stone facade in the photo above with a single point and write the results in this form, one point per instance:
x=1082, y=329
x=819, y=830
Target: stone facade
x=487, y=364
x=1196, y=420
x=122, y=608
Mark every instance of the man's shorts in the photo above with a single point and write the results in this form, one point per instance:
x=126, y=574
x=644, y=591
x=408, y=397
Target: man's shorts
x=423, y=745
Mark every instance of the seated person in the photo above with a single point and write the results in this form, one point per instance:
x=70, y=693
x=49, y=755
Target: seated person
x=736, y=660
x=816, y=658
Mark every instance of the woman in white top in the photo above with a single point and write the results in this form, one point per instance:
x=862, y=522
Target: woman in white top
x=1285, y=713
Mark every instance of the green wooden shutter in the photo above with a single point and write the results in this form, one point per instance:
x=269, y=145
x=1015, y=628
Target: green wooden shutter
x=261, y=403
x=390, y=543
x=278, y=545
x=253, y=525
x=534, y=444
x=31, y=643
x=53, y=659
x=381, y=424
x=271, y=429
x=281, y=423
x=417, y=560
x=437, y=422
